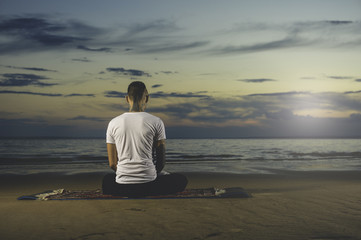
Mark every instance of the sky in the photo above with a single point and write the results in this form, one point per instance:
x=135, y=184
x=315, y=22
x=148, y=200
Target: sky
x=214, y=69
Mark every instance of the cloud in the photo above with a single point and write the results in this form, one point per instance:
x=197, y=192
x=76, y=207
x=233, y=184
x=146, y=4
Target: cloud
x=81, y=117
x=284, y=114
x=84, y=59
x=21, y=80
x=322, y=26
x=115, y=94
x=41, y=33
x=339, y=22
x=31, y=69
x=31, y=33
x=294, y=101
x=358, y=80
x=257, y=80
x=306, y=101
x=162, y=94
x=152, y=27
x=168, y=72
x=129, y=72
x=79, y=95
x=340, y=77
x=157, y=85
x=94, y=49
x=356, y=116
x=320, y=34
x=207, y=111
x=158, y=36
x=287, y=42
x=278, y=94
x=172, y=47
x=352, y=92
x=32, y=93
x=47, y=94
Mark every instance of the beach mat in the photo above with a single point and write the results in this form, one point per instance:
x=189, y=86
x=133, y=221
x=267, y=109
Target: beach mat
x=62, y=194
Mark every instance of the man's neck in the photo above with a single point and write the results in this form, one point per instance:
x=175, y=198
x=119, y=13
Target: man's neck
x=136, y=108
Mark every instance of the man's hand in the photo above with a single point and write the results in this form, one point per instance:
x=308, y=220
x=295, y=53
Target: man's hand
x=112, y=156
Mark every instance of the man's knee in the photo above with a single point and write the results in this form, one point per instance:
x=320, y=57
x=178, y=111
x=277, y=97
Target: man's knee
x=180, y=181
x=108, y=183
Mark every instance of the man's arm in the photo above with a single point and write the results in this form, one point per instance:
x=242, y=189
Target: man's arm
x=159, y=155
x=112, y=156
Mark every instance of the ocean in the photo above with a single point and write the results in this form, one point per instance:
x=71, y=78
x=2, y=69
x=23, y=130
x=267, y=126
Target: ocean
x=243, y=156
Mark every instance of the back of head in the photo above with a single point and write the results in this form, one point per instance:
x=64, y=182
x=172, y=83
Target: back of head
x=136, y=91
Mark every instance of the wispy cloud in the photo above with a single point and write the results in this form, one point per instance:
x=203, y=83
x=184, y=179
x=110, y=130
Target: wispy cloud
x=152, y=27
x=84, y=59
x=337, y=22
x=129, y=72
x=32, y=93
x=292, y=93
x=94, y=49
x=46, y=94
x=257, y=80
x=157, y=36
x=21, y=80
x=168, y=72
x=31, y=68
x=80, y=95
x=340, y=77
x=157, y=85
x=115, y=94
x=31, y=33
x=82, y=118
x=287, y=42
x=162, y=94
x=352, y=92
x=173, y=47
x=41, y=33
x=37, y=33
x=321, y=34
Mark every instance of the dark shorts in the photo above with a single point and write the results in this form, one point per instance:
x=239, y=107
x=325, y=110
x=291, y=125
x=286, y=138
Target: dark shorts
x=162, y=185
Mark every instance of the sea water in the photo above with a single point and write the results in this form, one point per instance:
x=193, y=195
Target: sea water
x=71, y=156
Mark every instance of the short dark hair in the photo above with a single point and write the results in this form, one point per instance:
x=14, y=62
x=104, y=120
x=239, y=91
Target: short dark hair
x=136, y=91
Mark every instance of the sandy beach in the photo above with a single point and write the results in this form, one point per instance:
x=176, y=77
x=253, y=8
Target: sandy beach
x=285, y=205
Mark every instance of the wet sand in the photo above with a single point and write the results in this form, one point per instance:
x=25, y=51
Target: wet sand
x=285, y=205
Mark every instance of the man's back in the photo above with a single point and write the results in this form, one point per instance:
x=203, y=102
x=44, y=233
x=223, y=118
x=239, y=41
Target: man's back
x=134, y=134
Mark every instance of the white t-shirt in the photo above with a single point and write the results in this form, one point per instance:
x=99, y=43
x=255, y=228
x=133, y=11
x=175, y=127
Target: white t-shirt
x=134, y=133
